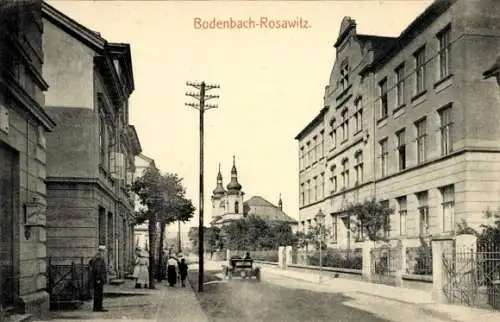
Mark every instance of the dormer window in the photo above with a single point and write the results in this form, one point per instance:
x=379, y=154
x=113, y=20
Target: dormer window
x=344, y=75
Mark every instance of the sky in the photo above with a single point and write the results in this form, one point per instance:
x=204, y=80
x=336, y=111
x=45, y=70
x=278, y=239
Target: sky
x=271, y=81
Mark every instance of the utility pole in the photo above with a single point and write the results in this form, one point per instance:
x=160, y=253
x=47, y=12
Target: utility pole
x=201, y=97
x=179, y=248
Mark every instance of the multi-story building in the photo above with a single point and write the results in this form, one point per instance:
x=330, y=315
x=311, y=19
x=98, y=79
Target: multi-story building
x=410, y=121
x=90, y=155
x=23, y=127
x=141, y=234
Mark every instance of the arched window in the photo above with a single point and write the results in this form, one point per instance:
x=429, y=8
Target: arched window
x=236, y=207
x=221, y=204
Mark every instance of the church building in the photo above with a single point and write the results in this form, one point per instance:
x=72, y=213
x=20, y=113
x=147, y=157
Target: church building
x=228, y=205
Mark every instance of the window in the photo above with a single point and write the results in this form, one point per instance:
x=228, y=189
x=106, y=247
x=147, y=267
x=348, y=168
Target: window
x=383, y=98
x=420, y=71
x=423, y=210
x=236, y=207
x=110, y=146
x=402, y=215
x=308, y=191
x=401, y=150
x=302, y=195
x=344, y=75
x=308, y=156
x=358, y=116
x=322, y=186
x=333, y=133
x=448, y=205
x=333, y=180
x=446, y=131
x=400, y=85
x=421, y=140
x=383, y=157
x=102, y=140
x=322, y=144
x=444, y=52
x=387, y=221
x=301, y=158
x=344, y=126
x=358, y=167
x=334, y=228
x=313, y=149
x=345, y=173
x=315, y=179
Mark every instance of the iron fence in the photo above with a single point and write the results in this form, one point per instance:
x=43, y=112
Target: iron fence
x=419, y=260
x=472, y=276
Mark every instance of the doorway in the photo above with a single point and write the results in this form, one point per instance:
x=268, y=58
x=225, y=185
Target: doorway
x=9, y=196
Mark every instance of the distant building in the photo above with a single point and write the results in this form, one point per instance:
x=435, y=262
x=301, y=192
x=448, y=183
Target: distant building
x=23, y=127
x=228, y=205
x=410, y=121
x=90, y=154
x=141, y=235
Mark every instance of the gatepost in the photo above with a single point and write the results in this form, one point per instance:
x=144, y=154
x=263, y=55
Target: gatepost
x=442, y=246
x=401, y=270
x=281, y=255
x=367, y=260
x=288, y=256
x=228, y=256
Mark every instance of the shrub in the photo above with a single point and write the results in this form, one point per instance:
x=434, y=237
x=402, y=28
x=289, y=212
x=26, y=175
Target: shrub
x=339, y=259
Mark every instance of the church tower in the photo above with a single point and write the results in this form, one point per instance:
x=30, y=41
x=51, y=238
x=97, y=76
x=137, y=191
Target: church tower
x=218, y=200
x=234, y=195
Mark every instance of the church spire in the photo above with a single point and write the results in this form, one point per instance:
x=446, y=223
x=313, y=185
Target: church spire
x=280, y=203
x=219, y=189
x=234, y=186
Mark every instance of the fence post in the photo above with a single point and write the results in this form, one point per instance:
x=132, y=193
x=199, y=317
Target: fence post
x=367, y=260
x=288, y=256
x=441, y=246
x=401, y=270
x=281, y=259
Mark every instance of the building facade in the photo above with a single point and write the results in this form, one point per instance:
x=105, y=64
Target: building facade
x=90, y=155
x=23, y=127
x=410, y=121
x=141, y=234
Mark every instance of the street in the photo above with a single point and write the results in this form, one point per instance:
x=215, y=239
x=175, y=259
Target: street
x=279, y=298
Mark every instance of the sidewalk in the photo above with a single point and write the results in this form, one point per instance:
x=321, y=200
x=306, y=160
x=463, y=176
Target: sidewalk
x=124, y=302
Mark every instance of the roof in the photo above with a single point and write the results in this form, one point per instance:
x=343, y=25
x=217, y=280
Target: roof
x=267, y=211
x=318, y=119
x=493, y=70
x=414, y=29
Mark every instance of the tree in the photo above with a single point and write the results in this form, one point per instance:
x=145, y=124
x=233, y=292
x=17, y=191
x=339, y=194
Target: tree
x=163, y=199
x=254, y=233
x=370, y=218
x=211, y=236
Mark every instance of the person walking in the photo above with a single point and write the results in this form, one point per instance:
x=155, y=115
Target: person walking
x=141, y=271
x=183, y=270
x=172, y=271
x=98, y=276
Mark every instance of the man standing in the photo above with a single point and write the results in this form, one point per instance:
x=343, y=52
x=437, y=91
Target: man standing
x=98, y=278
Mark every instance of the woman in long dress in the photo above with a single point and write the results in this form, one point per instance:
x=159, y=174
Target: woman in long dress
x=141, y=271
x=172, y=271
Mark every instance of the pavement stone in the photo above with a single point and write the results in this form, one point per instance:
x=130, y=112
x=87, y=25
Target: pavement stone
x=125, y=303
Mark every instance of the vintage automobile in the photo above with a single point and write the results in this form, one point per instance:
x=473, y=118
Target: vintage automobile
x=240, y=268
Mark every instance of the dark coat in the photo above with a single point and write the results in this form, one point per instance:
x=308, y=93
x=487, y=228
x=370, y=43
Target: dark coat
x=183, y=269
x=98, y=270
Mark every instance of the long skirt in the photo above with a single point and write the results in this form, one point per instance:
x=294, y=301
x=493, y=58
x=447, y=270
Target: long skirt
x=171, y=275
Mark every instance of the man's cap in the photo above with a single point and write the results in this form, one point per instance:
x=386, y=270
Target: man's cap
x=102, y=247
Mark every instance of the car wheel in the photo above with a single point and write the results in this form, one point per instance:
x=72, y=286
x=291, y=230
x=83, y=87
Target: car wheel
x=257, y=275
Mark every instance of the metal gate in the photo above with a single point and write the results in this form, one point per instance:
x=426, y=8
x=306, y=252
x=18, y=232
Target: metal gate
x=385, y=263
x=69, y=282
x=472, y=277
